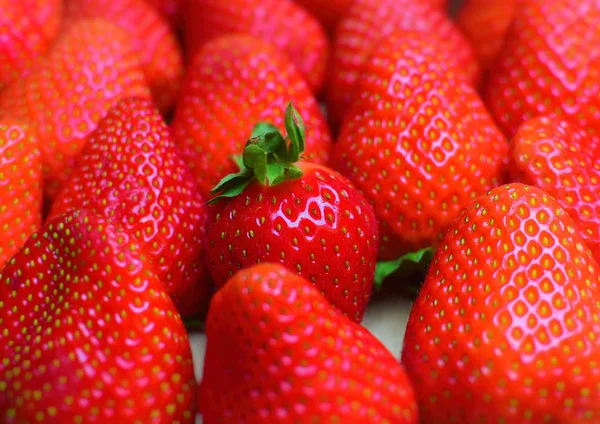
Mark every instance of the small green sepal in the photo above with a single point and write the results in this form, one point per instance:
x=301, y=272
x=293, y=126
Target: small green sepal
x=386, y=268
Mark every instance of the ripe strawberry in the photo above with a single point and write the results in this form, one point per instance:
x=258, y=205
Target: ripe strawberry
x=20, y=187
x=556, y=157
x=485, y=23
x=171, y=10
x=418, y=143
x=278, y=352
x=328, y=13
x=151, y=35
x=130, y=172
x=368, y=24
x=506, y=327
x=234, y=82
x=307, y=217
x=541, y=71
x=89, y=334
x=281, y=22
x=27, y=33
x=91, y=67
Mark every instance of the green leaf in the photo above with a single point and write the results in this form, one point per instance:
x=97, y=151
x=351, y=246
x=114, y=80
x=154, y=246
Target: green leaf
x=193, y=324
x=275, y=144
x=296, y=131
x=291, y=173
x=232, y=191
x=255, y=158
x=239, y=161
x=386, y=268
x=263, y=128
x=274, y=171
x=231, y=179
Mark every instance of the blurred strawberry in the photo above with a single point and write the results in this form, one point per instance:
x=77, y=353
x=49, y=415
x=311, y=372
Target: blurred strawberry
x=233, y=83
x=281, y=22
x=21, y=192
x=89, y=335
x=328, y=13
x=371, y=22
x=130, y=172
x=172, y=10
x=549, y=64
x=151, y=36
x=418, y=142
x=91, y=67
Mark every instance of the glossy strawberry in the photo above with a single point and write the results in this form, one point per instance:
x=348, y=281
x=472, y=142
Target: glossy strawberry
x=28, y=29
x=90, y=68
x=556, y=157
x=131, y=173
x=89, y=335
x=306, y=217
x=233, y=83
x=277, y=351
x=541, y=71
x=151, y=36
x=507, y=325
x=371, y=22
x=20, y=187
x=418, y=143
x=283, y=23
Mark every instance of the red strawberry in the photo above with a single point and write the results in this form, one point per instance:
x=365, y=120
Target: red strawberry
x=89, y=334
x=233, y=83
x=328, y=13
x=280, y=22
x=90, y=68
x=307, y=217
x=550, y=64
x=371, y=22
x=130, y=172
x=278, y=352
x=172, y=10
x=418, y=142
x=485, y=23
x=151, y=35
x=506, y=328
x=556, y=157
x=20, y=187
x=27, y=32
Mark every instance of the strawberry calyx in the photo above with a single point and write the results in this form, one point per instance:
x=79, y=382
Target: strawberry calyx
x=386, y=268
x=268, y=157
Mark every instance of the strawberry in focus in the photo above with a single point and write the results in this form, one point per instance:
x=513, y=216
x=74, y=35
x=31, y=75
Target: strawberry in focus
x=507, y=325
x=89, y=333
x=277, y=351
x=21, y=191
x=418, y=143
x=233, y=83
x=131, y=172
x=305, y=216
x=290, y=28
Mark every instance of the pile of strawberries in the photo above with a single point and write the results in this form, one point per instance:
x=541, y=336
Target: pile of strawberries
x=261, y=167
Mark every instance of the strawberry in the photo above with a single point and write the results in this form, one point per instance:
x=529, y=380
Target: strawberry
x=20, y=187
x=371, y=22
x=306, y=217
x=131, y=173
x=151, y=35
x=233, y=83
x=27, y=33
x=283, y=23
x=277, y=351
x=328, y=13
x=90, y=68
x=555, y=157
x=89, y=333
x=418, y=143
x=506, y=328
x=485, y=23
x=549, y=64
x=171, y=10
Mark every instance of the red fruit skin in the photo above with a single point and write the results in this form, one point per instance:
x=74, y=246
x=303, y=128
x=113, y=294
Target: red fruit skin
x=290, y=28
x=90, y=332
x=131, y=172
x=418, y=143
x=90, y=68
x=318, y=225
x=555, y=157
x=506, y=326
x=21, y=192
x=540, y=73
x=234, y=83
x=328, y=13
x=152, y=37
x=277, y=351
x=368, y=24
x=171, y=10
